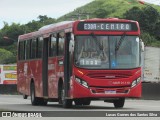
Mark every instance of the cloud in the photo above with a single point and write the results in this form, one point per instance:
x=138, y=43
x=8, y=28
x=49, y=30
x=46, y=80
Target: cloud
x=23, y=11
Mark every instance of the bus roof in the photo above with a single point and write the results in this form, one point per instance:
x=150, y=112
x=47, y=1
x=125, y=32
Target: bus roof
x=45, y=31
x=108, y=20
x=55, y=25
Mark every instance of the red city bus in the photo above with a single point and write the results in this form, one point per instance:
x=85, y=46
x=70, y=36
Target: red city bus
x=81, y=61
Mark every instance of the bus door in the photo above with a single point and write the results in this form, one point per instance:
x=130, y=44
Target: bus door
x=52, y=66
x=45, y=67
x=68, y=62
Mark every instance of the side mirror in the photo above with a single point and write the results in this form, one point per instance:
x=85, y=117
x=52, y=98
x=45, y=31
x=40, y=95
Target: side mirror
x=71, y=44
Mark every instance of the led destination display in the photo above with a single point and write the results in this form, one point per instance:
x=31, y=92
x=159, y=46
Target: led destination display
x=107, y=26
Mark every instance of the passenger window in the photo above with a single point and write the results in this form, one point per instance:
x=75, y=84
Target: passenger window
x=53, y=45
x=21, y=50
x=33, y=49
x=27, y=49
x=61, y=44
x=39, y=47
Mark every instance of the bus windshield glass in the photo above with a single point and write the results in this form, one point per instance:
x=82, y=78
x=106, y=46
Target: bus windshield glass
x=100, y=52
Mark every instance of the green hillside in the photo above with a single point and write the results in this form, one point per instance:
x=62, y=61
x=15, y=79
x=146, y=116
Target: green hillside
x=148, y=16
x=112, y=8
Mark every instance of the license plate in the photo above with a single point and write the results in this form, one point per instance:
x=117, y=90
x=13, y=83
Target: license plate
x=110, y=92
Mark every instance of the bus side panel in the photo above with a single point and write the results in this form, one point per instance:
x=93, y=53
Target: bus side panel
x=35, y=74
x=21, y=82
x=28, y=71
x=52, y=78
x=59, y=71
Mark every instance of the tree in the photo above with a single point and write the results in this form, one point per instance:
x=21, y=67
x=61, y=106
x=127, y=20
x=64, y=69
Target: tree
x=12, y=31
x=32, y=26
x=147, y=38
x=149, y=19
x=133, y=14
x=101, y=13
x=44, y=20
x=157, y=30
x=6, y=57
x=35, y=25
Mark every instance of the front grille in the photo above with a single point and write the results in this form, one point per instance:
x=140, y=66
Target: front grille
x=104, y=90
x=107, y=75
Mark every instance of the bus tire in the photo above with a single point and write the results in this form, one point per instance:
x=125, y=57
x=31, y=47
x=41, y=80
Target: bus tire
x=86, y=102
x=59, y=93
x=66, y=103
x=42, y=102
x=25, y=96
x=34, y=100
x=78, y=102
x=119, y=103
x=82, y=102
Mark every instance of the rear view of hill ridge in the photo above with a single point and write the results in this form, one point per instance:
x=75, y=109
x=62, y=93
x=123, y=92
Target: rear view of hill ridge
x=104, y=9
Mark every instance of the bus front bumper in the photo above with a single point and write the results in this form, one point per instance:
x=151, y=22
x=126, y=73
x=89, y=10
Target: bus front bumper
x=79, y=91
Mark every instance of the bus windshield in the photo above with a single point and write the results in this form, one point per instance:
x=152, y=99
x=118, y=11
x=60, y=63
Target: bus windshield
x=100, y=52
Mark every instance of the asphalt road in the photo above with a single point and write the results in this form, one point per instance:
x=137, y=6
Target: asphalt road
x=17, y=103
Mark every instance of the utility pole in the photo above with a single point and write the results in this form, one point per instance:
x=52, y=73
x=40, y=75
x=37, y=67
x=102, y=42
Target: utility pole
x=78, y=15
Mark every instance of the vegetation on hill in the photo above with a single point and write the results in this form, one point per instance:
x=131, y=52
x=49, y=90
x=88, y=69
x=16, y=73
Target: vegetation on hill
x=103, y=9
x=147, y=15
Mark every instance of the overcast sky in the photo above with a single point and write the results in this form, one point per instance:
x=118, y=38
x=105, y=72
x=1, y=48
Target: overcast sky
x=23, y=11
x=153, y=1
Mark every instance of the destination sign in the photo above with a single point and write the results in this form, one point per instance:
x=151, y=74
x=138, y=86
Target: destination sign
x=107, y=26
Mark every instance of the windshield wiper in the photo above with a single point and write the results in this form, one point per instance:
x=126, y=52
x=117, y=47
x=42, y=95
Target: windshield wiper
x=98, y=44
x=97, y=41
x=120, y=42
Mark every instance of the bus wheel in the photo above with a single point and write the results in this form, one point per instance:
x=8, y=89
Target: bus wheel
x=78, y=102
x=86, y=102
x=82, y=102
x=67, y=103
x=25, y=96
x=42, y=102
x=34, y=100
x=119, y=103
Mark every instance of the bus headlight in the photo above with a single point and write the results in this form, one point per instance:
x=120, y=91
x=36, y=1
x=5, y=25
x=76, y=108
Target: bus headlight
x=85, y=84
x=82, y=82
x=138, y=80
x=135, y=82
x=78, y=80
